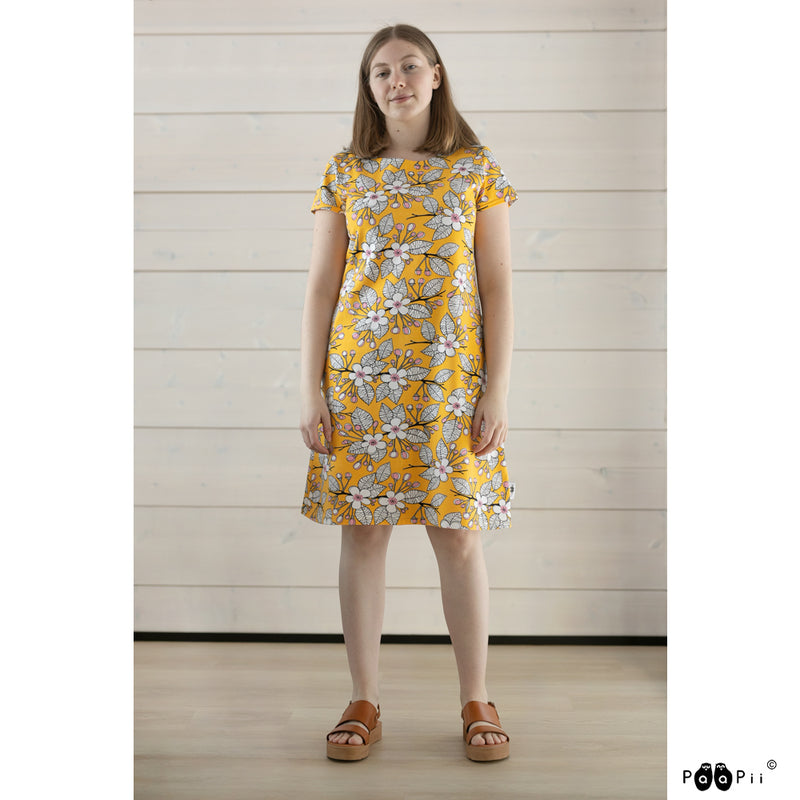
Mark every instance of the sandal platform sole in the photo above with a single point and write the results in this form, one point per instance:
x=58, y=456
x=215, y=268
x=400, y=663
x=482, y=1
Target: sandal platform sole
x=487, y=752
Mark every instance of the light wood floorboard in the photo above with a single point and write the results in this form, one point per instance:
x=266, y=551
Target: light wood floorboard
x=248, y=720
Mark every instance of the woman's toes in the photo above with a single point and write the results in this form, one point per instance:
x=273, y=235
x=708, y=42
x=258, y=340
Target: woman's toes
x=346, y=738
x=488, y=738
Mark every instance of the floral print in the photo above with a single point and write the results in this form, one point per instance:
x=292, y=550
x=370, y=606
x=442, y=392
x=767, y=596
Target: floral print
x=405, y=364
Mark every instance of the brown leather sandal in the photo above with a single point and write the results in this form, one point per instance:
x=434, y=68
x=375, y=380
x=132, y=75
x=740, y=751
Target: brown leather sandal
x=359, y=711
x=476, y=711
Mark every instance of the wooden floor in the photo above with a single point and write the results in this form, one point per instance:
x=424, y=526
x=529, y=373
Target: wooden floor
x=229, y=720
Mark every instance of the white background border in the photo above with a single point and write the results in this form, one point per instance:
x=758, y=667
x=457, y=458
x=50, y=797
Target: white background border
x=733, y=397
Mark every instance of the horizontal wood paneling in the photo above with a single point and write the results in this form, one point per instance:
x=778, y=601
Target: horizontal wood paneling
x=269, y=231
x=554, y=469
x=235, y=388
x=255, y=16
x=239, y=106
x=544, y=549
x=273, y=73
x=517, y=612
x=558, y=310
x=562, y=151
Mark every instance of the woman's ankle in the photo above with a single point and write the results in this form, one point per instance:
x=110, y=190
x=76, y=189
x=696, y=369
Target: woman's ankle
x=370, y=697
x=467, y=697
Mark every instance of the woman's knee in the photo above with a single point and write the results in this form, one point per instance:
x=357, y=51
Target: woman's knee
x=454, y=542
x=366, y=537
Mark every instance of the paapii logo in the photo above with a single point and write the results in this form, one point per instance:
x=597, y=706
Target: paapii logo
x=722, y=777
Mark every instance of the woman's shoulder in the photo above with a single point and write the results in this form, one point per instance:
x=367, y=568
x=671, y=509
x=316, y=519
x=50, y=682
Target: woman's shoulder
x=483, y=152
x=478, y=154
x=344, y=160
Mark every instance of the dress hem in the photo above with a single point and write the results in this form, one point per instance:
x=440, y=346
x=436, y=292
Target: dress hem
x=487, y=529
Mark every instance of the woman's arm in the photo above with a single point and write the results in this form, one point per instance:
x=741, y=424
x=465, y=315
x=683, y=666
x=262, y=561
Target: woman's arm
x=493, y=268
x=328, y=253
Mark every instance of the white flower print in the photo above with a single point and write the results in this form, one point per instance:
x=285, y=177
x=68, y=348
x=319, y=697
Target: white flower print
x=397, y=187
x=463, y=167
x=398, y=304
x=503, y=510
x=374, y=199
x=461, y=280
x=479, y=501
x=370, y=253
x=376, y=318
x=396, y=429
x=447, y=345
x=443, y=469
x=454, y=217
x=360, y=374
x=398, y=254
x=456, y=402
x=358, y=497
x=374, y=443
x=393, y=501
x=396, y=377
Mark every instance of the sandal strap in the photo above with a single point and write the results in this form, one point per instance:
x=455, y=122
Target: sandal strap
x=358, y=711
x=476, y=711
x=362, y=711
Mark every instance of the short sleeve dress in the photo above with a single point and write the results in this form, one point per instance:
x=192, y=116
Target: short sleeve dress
x=405, y=361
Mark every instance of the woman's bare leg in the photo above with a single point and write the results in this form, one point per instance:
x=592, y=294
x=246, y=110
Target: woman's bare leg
x=465, y=600
x=362, y=596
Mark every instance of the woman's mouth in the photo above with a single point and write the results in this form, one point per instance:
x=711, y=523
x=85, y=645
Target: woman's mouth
x=401, y=98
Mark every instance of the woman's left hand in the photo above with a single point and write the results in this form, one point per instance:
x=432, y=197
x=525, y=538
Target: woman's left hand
x=491, y=412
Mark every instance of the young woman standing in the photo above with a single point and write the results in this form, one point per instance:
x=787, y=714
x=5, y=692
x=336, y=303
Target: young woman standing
x=405, y=366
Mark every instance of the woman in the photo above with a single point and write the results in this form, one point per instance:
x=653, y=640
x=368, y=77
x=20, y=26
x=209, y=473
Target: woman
x=405, y=366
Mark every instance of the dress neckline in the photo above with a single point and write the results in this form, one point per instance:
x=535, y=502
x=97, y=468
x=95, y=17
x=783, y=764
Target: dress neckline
x=421, y=159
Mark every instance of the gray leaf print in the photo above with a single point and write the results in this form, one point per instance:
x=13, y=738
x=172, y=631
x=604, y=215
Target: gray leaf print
x=438, y=266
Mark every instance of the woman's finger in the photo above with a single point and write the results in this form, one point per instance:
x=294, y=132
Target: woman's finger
x=311, y=439
x=326, y=426
x=477, y=422
x=485, y=438
x=493, y=441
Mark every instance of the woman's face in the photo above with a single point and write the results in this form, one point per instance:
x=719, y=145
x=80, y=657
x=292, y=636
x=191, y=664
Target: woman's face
x=402, y=81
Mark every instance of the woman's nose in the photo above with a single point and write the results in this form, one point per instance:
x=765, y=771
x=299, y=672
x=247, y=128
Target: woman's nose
x=398, y=81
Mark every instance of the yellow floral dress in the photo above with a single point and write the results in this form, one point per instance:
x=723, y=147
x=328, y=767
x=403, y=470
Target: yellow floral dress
x=405, y=362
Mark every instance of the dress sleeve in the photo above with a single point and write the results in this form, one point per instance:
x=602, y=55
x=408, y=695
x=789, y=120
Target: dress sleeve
x=495, y=188
x=328, y=194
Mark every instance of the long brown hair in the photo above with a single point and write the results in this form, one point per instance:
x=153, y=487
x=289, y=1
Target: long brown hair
x=448, y=131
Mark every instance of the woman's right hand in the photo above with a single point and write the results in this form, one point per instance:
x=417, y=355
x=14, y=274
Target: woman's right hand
x=313, y=413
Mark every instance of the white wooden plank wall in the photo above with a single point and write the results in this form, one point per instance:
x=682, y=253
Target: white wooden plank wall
x=239, y=105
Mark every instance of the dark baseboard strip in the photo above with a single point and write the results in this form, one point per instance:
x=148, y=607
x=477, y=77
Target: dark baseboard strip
x=392, y=638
